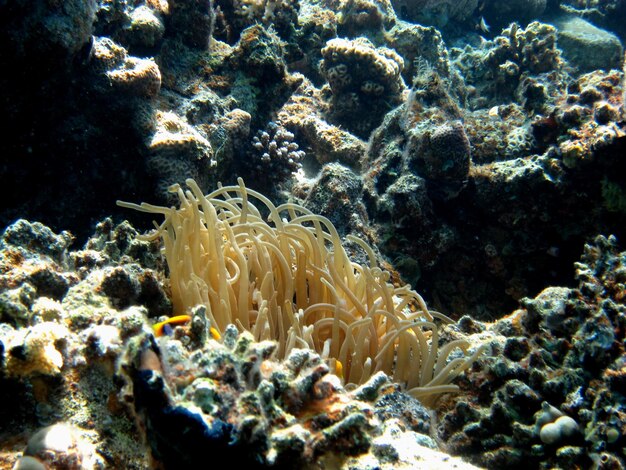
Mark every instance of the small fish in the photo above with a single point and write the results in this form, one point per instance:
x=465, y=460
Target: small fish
x=215, y=334
x=162, y=327
x=483, y=25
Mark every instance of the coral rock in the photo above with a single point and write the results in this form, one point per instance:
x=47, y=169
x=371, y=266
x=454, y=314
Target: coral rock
x=364, y=80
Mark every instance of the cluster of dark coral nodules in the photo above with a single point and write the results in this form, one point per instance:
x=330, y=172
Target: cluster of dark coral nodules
x=555, y=392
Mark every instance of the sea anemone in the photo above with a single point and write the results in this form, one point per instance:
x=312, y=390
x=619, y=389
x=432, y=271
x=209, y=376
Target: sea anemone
x=289, y=279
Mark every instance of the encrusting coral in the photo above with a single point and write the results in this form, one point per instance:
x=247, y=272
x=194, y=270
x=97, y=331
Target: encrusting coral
x=292, y=281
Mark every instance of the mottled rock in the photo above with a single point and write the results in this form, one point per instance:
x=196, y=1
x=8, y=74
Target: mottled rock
x=178, y=151
x=36, y=237
x=336, y=195
x=587, y=46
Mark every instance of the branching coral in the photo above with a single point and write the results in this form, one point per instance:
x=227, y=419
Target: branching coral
x=290, y=280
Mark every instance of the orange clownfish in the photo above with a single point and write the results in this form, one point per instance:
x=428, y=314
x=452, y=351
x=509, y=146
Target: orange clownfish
x=159, y=328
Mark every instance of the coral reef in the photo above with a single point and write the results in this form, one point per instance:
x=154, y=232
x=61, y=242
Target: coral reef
x=303, y=113
x=233, y=16
x=441, y=157
x=475, y=145
x=496, y=68
x=139, y=28
x=60, y=357
x=365, y=18
x=194, y=99
x=335, y=195
x=191, y=21
x=98, y=390
x=499, y=134
x=236, y=400
x=177, y=150
x=418, y=44
x=47, y=32
x=65, y=94
x=127, y=75
x=527, y=132
x=585, y=120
